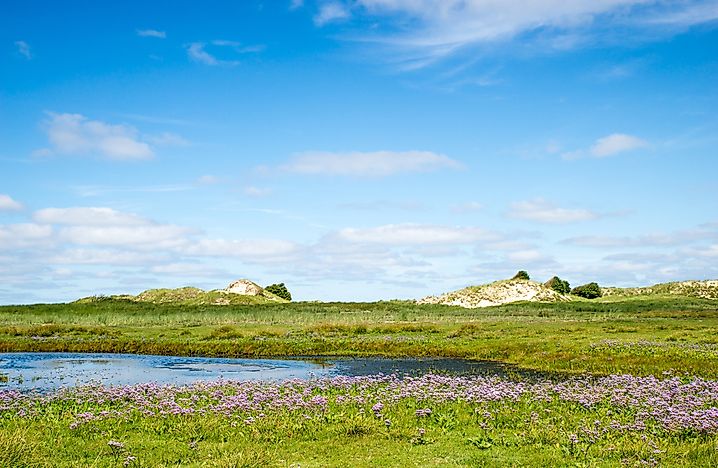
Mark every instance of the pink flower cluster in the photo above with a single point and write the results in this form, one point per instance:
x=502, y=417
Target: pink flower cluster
x=672, y=404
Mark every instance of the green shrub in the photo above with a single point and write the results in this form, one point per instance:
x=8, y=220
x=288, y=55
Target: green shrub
x=558, y=285
x=279, y=290
x=521, y=275
x=589, y=291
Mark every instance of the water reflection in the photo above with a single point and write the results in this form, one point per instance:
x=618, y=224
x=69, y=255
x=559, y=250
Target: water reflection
x=46, y=371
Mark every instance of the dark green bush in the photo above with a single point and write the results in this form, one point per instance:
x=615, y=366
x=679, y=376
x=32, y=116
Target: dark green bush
x=280, y=290
x=589, y=291
x=522, y=275
x=558, y=285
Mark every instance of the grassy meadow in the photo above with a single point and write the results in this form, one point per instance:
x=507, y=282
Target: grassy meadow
x=637, y=335
x=666, y=420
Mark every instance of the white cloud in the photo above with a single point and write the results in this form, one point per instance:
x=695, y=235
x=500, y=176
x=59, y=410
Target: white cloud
x=151, y=33
x=609, y=145
x=331, y=11
x=97, y=190
x=248, y=249
x=443, y=27
x=710, y=251
x=377, y=205
x=93, y=256
x=76, y=134
x=526, y=256
x=87, y=216
x=23, y=48
x=159, y=236
x=196, y=52
x=224, y=42
x=542, y=211
x=370, y=164
x=424, y=31
x=101, y=226
x=189, y=269
x=8, y=204
x=692, y=13
x=17, y=236
x=616, y=143
x=415, y=234
x=296, y=4
x=91, y=241
x=257, y=192
x=679, y=237
x=167, y=139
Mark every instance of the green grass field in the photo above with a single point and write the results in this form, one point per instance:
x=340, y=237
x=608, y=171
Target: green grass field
x=661, y=336
x=636, y=335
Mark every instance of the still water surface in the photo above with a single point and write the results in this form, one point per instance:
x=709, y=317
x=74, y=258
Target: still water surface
x=47, y=371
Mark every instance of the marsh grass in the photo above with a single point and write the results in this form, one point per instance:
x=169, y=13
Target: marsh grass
x=560, y=337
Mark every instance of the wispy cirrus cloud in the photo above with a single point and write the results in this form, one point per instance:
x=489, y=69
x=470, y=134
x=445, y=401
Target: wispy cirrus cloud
x=167, y=139
x=330, y=12
x=659, y=239
x=422, y=32
x=543, y=211
x=197, y=52
x=23, y=48
x=99, y=190
x=686, y=15
x=368, y=164
x=152, y=33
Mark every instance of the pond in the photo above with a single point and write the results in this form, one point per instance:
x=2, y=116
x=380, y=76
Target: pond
x=47, y=371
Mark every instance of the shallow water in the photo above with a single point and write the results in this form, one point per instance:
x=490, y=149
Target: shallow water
x=47, y=371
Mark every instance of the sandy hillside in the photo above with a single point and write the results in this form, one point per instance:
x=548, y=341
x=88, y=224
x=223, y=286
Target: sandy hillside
x=239, y=292
x=705, y=288
x=497, y=293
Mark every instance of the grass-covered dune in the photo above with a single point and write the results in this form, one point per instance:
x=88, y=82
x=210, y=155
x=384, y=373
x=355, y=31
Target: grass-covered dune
x=639, y=335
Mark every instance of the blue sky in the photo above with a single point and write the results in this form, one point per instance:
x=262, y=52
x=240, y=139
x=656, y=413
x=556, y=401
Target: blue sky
x=355, y=150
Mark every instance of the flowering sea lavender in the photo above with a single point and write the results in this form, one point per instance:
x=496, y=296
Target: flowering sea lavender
x=671, y=404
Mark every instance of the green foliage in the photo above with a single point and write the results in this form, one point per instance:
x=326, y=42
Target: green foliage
x=558, y=285
x=279, y=290
x=522, y=275
x=589, y=291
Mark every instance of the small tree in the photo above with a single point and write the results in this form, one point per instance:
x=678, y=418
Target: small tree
x=279, y=290
x=521, y=275
x=558, y=285
x=589, y=291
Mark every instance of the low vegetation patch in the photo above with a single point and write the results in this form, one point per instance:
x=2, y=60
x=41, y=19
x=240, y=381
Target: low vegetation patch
x=587, y=291
x=373, y=420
